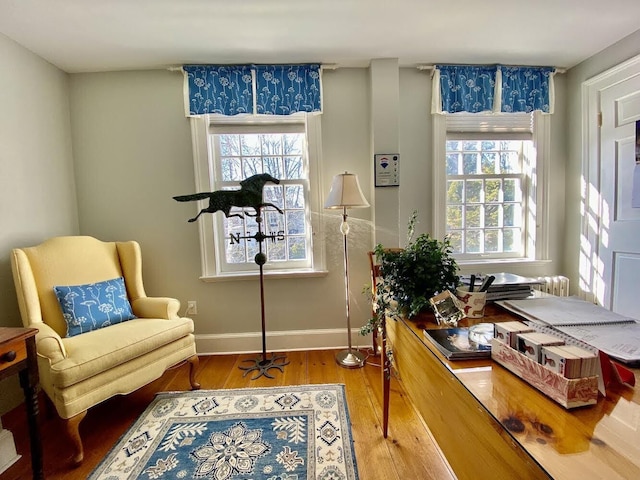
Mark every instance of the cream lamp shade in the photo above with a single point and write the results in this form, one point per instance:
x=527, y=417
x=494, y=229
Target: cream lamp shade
x=345, y=192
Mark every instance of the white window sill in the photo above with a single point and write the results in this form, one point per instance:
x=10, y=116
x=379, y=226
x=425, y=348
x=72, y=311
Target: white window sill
x=506, y=262
x=268, y=274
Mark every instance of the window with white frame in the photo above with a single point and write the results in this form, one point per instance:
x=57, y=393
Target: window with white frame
x=490, y=179
x=229, y=150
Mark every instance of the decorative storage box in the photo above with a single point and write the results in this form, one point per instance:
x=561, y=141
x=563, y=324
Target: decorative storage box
x=569, y=393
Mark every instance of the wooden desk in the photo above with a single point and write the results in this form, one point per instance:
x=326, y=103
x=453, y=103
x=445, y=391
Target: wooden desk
x=18, y=355
x=490, y=424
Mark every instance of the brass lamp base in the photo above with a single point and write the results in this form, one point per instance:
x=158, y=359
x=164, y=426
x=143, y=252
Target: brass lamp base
x=350, y=359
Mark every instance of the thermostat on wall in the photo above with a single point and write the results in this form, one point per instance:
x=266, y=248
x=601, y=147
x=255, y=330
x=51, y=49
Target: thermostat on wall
x=387, y=169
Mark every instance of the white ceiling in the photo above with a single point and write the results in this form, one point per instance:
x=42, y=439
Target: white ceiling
x=100, y=35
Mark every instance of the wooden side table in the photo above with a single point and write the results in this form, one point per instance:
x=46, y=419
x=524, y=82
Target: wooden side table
x=18, y=355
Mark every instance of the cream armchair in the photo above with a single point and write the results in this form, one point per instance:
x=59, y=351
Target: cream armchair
x=80, y=371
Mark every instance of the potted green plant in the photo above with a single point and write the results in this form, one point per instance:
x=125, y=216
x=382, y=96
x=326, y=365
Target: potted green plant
x=411, y=276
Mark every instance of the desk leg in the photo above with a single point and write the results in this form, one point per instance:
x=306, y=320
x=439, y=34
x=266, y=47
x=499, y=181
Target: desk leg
x=386, y=378
x=29, y=383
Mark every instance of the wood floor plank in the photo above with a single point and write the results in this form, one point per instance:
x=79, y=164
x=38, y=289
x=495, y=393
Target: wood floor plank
x=377, y=458
x=406, y=432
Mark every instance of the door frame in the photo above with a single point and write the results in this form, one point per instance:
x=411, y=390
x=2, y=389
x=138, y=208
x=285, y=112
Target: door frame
x=591, y=202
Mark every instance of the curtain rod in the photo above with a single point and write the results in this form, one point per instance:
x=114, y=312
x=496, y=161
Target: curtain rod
x=431, y=67
x=326, y=66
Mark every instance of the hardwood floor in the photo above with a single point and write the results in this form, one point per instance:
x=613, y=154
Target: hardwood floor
x=409, y=452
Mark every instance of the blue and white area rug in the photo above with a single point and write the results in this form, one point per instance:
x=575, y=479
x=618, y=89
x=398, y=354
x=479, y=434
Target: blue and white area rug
x=300, y=432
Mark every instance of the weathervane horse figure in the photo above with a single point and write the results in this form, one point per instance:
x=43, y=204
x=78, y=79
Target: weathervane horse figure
x=249, y=195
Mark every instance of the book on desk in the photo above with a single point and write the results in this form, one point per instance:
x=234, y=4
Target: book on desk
x=455, y=344
x=504, y=286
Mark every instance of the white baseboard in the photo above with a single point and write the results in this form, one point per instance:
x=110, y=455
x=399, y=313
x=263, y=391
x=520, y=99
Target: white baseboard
x=251, y=342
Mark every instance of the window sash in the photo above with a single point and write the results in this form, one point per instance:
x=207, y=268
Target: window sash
x=251, y=246
x=460, y=234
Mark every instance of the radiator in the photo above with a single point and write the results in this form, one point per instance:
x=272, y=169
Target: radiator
x=555, y=285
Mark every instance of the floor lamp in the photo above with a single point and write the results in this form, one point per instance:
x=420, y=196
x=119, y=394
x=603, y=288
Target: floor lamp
x=346, y=193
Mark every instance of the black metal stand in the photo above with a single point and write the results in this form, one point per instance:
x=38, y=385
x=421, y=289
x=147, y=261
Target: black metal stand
x=262, y=364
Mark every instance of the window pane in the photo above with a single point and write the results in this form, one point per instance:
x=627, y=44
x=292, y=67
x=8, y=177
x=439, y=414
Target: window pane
x=297, y=249
x=231, y=170
x=469, y=163
x=488, y=160
x=453, y=145
x=252, y=250
x=512, y=240
x=492, y=216
x=454, y=191
x=293, y=144
x=510, y=188
x=510, y=162
x=470, y=145
x=276, y=251
x=491, y=241
x=229, y=145
x=294, y=196
x=452, y=164
x=251, y=166
x=454, y=216
x=472, y=217
x=235, y=252
x=273, y=194
x=455, y=238
x=250, y=144
x=295, y=222
x=271, y=144
x=472, y=241
x=474, y=191
x=273, y=222
x=293, y=168
x=508, y=215
x=492, y=191
x=273, y=166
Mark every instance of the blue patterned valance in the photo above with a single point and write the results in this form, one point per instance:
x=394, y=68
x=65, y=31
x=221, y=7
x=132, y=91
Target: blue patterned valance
x=492, y=88
x=525, y=89
x=467, y=88
x=253, y=89
x=286, y=89
x=219, y=89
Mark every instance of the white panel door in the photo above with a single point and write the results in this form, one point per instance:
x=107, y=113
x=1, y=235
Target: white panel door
x=619, y=232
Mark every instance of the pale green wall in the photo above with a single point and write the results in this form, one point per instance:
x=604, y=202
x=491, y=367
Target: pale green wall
x=132, y=148
x=37, y=188
x=617, y=53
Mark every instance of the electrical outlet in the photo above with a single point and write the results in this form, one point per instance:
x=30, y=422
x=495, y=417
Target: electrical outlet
x=192, y=308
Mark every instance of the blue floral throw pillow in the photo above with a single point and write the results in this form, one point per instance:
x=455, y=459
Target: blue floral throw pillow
x=95, y=305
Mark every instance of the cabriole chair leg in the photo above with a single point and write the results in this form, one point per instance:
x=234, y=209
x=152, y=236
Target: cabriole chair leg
x=73, y=429
x=193, y=366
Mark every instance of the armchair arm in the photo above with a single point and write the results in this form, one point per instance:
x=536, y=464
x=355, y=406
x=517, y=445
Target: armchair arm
x=156, y=307
x=49, y=344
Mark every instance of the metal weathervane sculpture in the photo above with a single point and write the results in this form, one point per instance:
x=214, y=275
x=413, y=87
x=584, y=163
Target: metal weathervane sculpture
x=249, y=196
